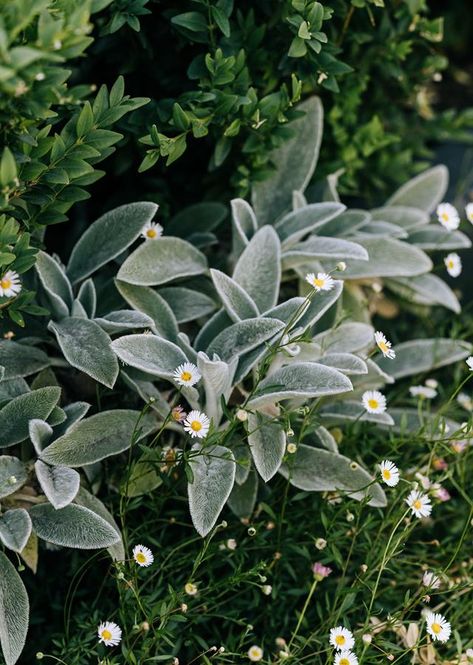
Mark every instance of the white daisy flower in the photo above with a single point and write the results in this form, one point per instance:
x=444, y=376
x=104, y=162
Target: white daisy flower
x=423, y=392
x=430, y=580
x=453, y=263
x=383, y=345
x=341, y=638
x=469, y=362
x=143, y=556
x=109, y=633
x=465, y=401
x=345, y=658
x=152, y=230
x=374, y=401
x=437, y=626
x=389, y=473
x=187, y=374
x=448, y=216
x=197, y=424
x=469, y=212
x=10, y=284
x=320, y=282
x=255, y=653
x=419, y=504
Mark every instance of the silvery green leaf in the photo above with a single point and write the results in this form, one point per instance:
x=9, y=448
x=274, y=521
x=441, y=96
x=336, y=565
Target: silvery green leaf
x=56, y=417
x=40, y=433
x=258, y=270
x=14, y=611
x=316, y=470
x=19, y=360
x=405, y=216
x=424, y=355
x=187, y=304
x=74, y=412
x=295, y=162
x=93, y=439
x=347, y=223
x=213, y=470
x=381, y=229
x=217, y=380
x=12, y=475
x=244, y=225
x=326, y=439
x=86, y=347
x=15, y=529
x=147, y=391
x=318, y=248
x=108, y=237
x=197, y=218
x=88, y=500
x=388, y=257
x=12, y=388
x=215, y=325
x=289, y=311
x=55, y=283
x=425, y=191
x=161, y=261
x=147, y=301
x=78, y=310
x=144, y=476
x=436, y=238
x=243, y=458
x=298, y=200
x=344, y=362
x=72, y=526
x=87, y=297
x=425, y=290
x=267, y=441
x=242, y=499
x=237, y=303
x=244, y=336
x=299, y=223
x=14, y=417
x=248, y=361
x=149, y=353
x=184, y=344
x=352, y=411
x=124, y=319
x=375, y=378
x=349, y=337
x=307, y=380
x=319, y=304
x=59, y=483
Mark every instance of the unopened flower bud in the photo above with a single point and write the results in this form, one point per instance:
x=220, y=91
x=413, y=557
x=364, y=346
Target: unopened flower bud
x=267, y=589
x=342, y=266
x=242, y=415
x=12, y=480
x=251, y=531
x=320, y=543
x=367, y=638
x=291, y=448
x=231, y=544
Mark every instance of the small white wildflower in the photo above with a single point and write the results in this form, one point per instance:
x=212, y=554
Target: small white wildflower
x=341, y=638
x=389, y=473
x=345, y=658
x=419, y=504
x=10, y=284
x=266, y=589
x=453, y=264
x=291, y=448
x=465, y=401
x=187, y=374
x=109, y=633
x=424, y=392
x=383, y=345
x=255, y=653
x=191, y=589
x=374, y=401
x=151, y=231
x=197, y=424
x=469, y=212
x=448, y=216
x=469, y=362
x=430, y=580
x=143, y=556
x=320, y=282
x=437, y=626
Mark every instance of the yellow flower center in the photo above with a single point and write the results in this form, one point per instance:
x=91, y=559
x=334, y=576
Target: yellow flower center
x=383, y=346
x=140, y=557
x=373, y=403
x=386, y=474
x=445, y=216
x=151, y=233
x=5, y=283
x=106, y=634
x=417, y=504
x=451, y=264
x=340, y=640
x=436, y=627
x=186, y=376
x=196, y=425
x=319, y=282
x=344, y=661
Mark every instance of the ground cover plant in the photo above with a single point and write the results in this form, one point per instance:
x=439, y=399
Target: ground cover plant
x=238, y=432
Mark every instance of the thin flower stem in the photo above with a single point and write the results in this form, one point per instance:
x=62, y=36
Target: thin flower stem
x=304, y=610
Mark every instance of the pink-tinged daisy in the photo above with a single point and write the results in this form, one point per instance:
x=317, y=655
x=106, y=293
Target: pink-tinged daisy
x=320, y=571
x=430, y=580
x=10, y=284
